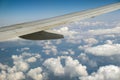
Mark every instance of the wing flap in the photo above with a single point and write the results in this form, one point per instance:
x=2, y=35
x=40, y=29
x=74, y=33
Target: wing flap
x=42, y=35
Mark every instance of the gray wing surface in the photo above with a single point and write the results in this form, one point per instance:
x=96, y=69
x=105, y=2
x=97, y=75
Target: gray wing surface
x=37, y=30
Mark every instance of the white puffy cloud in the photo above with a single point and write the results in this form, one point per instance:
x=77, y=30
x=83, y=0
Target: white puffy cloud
x=31, y=59
x=104, y=50
x=3, y=67
x=29, y=55
x=70, y=34
x=71, y=51
x=3, y=75
x=90, y=41
x=64, y=52
x=68, y=52
x=11, y=75
x=109, y=42
x=65, y=31
x=54, y=65
x=58, y=41
x=109, y=36
x=19, y=63
x=48, y=48
x=23, y=49
x=85, y=59
x=109, y=72
x=36, y=73
x=115, y=30
x=20, y=67
x=72, y=67
x=15, y=76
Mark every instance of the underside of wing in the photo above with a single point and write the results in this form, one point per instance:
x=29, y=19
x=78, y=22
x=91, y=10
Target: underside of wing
x=42, y=35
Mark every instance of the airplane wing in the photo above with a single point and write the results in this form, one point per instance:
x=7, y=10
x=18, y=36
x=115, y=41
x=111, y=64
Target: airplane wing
x=38, y=30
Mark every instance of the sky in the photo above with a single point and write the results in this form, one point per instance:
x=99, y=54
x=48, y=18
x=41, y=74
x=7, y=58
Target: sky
x=18, y=11
x=90, y=49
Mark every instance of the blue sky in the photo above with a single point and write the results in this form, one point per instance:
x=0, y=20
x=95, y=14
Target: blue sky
x=17, y=11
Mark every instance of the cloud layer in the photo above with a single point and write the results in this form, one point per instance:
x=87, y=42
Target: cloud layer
x=69, y=58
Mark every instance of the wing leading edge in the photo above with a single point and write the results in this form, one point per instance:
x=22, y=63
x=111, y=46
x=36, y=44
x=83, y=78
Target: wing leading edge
x=30, y=29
